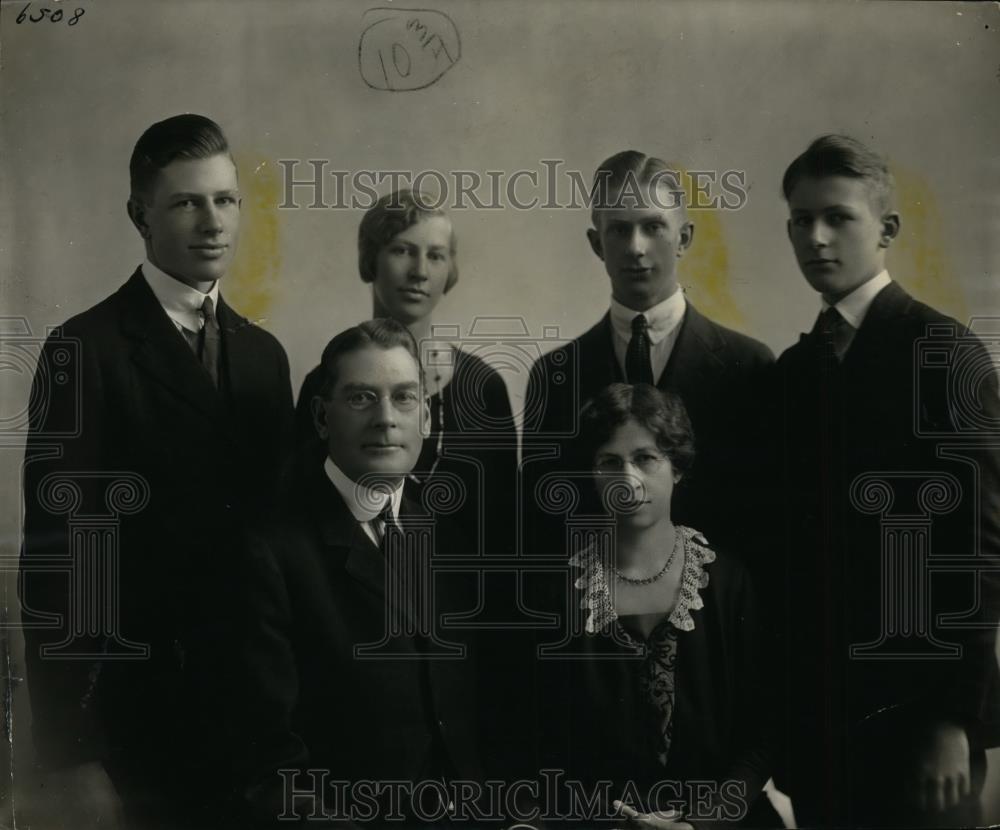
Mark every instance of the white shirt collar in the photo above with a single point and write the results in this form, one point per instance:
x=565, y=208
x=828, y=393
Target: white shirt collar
x=181, y=302
x=663, y=317
x=365, y=503
x=855, y=305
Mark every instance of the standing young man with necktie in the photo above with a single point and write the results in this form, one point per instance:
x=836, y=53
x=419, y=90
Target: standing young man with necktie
x=891, y=676
x=172, y=435
x=651, y=334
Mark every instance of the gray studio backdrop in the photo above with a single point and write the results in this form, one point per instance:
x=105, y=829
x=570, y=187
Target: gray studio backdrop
x=505, y=86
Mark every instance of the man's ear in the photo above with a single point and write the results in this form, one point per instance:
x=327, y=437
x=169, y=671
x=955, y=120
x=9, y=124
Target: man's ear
x=425, y=416
x=686, y=237
x=595, y=243
x=319, y=416
x=137, y=213
x=890, y=229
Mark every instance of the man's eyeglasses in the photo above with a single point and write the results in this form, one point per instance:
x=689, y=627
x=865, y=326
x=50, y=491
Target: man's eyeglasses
x=404, y=400
x=645, y=462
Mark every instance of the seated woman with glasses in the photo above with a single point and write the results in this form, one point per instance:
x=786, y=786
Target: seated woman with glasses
x=407, y=252
x=655, y=689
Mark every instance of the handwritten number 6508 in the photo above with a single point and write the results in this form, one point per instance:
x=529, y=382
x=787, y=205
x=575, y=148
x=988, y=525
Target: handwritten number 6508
x=53, y=16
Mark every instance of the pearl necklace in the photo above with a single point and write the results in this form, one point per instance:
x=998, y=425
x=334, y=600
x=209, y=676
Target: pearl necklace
x=433, y=353
x=649, y=580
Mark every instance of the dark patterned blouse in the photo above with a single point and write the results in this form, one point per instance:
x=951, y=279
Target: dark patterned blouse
x=680, y=718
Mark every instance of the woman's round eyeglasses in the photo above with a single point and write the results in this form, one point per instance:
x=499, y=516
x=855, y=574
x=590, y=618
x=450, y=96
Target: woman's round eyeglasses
x=645, y=462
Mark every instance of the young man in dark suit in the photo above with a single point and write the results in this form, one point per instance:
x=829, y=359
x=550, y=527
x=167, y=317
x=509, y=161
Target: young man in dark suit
x=651, y=334
x=346, y=687
x=138, y=475
x=891, y=504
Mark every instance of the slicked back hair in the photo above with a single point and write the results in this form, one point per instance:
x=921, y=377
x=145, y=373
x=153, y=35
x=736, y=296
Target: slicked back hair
x=626, y=173
x=185, y=137
x=380, y=333
x=841, y=155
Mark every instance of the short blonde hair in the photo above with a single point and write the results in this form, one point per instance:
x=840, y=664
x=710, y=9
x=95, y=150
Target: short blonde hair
x=390, y=216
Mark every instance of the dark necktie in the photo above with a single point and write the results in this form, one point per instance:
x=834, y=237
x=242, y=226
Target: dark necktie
x=384, y=525
x=835, y=331
x=209, y=341
x=638, y=366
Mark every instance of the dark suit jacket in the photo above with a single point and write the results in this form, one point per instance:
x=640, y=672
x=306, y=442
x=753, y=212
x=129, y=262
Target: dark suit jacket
x=314, y=589
x=889, y=411
x=119, y=395
x=717, y=373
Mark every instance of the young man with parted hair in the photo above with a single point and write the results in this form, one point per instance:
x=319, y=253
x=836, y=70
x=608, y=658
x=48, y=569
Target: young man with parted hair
x=890, y=682
x=652, y=334
x=184, y=405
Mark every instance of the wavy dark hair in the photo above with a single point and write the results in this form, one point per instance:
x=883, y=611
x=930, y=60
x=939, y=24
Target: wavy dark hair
x=662, y=413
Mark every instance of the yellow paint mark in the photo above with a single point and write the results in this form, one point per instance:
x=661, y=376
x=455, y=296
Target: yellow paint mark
x=252, y=282
x=917, y=258
x=704, y=270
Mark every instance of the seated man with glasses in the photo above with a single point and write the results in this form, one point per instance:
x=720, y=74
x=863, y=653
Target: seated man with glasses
x=336, y=697
x=657, y=701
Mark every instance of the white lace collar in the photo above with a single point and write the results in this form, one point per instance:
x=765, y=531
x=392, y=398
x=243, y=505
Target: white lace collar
x=597, y=596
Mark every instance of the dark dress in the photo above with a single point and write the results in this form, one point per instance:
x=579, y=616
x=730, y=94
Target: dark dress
x=470, y=467
x=679, y=720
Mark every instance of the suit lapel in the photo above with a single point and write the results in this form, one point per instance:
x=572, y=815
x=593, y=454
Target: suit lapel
x=343, y=534
x=596, y=366
x=160, y=351
x=345, y=538
x=891, y=303
x=238, y=356
x=695, y=353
